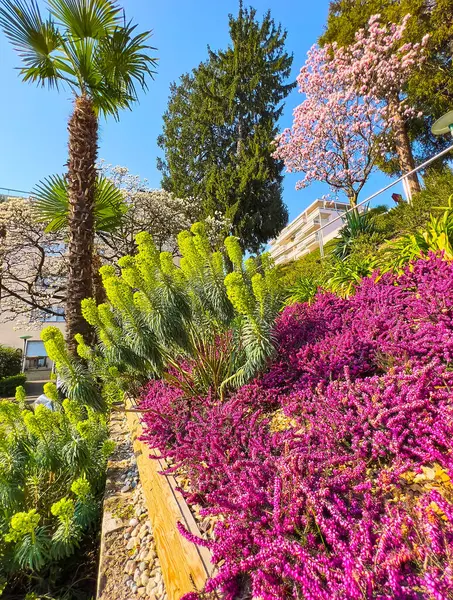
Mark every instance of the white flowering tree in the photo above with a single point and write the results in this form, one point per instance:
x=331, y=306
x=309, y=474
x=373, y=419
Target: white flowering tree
x=156, y=211
x=33, y=264
x=33, y=261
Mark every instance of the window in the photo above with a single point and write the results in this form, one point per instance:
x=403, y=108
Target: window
x=55, y=318
x=35, y=355
x=41, y=315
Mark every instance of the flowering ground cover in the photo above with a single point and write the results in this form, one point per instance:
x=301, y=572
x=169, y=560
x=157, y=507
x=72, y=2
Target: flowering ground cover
x=330, y=475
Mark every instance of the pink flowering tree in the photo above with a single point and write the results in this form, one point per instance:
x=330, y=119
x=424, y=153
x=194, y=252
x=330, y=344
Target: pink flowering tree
x=380, y=65
x=354, y=98
x=333, y=137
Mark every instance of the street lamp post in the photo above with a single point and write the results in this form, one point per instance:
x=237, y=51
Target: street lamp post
x=25, y=338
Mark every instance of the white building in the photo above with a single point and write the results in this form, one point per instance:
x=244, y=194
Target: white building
x=301, y=236
x=27, y=337
x=24, y=332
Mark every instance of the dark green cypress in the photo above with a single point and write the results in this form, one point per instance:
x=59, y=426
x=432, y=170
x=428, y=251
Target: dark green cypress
x=220, y=125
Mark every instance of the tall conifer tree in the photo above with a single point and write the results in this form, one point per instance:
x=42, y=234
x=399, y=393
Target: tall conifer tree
x=220, y=125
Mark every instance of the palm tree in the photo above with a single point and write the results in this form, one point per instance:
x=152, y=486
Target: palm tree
x=88, y=46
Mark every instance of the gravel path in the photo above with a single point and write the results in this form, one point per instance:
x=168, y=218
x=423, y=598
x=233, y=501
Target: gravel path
x=142, y=572
x=129, y=565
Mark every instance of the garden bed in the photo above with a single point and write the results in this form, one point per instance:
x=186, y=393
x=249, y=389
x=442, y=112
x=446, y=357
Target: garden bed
x=331, y=473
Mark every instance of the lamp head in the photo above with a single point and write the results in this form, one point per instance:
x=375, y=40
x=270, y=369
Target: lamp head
x=444, y=124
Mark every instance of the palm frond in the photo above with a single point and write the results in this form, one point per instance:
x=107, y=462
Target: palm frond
x=37, y=41
x=85, y=43
x=109, y=205
x=80, y=52
x=124, y=61
x=86, y=18
x=52, y=202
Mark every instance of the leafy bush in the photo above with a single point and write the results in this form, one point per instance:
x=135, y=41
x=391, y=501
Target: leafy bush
x=330, y=476
x=310, y=266
x=10, y=361
x=346, y=275
x=76, y=381
x=304, y=290
x=407, y=218
x=355, y=224
x=52, y=470
x=437, y=236
x=8, y=385
x=160, y=316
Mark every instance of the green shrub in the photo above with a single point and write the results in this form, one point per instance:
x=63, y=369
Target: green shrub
x=52, y=473
x=8, y=385
x=304, y=290
x=310, y=266
x=356, y=225
x=346, y=274
x=159, y=315
x=436, y=236
x=10, y=361
x=407, y=218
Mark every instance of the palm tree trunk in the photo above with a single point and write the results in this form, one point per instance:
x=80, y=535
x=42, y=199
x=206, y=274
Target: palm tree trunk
x=83, y=138
x=98, y=287
x=403, y=148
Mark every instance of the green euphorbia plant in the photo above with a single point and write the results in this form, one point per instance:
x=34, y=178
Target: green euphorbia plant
x=52, y=473
x=160, y=315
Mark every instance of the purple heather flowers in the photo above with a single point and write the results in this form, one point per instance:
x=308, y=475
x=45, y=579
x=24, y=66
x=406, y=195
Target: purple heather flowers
x=351, y=496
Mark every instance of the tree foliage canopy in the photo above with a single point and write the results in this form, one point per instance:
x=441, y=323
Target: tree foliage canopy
x=220, y=126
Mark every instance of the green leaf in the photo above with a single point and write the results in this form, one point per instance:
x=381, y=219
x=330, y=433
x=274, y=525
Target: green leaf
x=38, y=42
x=52, y=201
x=124, y=62
x=86, y=18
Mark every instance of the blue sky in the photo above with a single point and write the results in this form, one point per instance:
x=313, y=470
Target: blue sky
x=33, y=120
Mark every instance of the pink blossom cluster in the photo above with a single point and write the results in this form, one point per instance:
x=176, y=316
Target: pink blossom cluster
x=352, y=497
x=381, y=64
x=351, y=95
x=333, y=134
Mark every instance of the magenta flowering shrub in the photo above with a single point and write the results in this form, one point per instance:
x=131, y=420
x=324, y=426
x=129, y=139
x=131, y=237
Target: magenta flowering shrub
x=349, y=494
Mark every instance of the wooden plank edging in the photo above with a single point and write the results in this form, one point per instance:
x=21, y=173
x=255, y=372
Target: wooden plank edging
x=185, y=566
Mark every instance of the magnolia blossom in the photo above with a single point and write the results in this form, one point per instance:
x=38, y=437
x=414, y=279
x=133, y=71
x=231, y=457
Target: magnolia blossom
x=333, y=137
x=352, y=96
x=380, y=65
